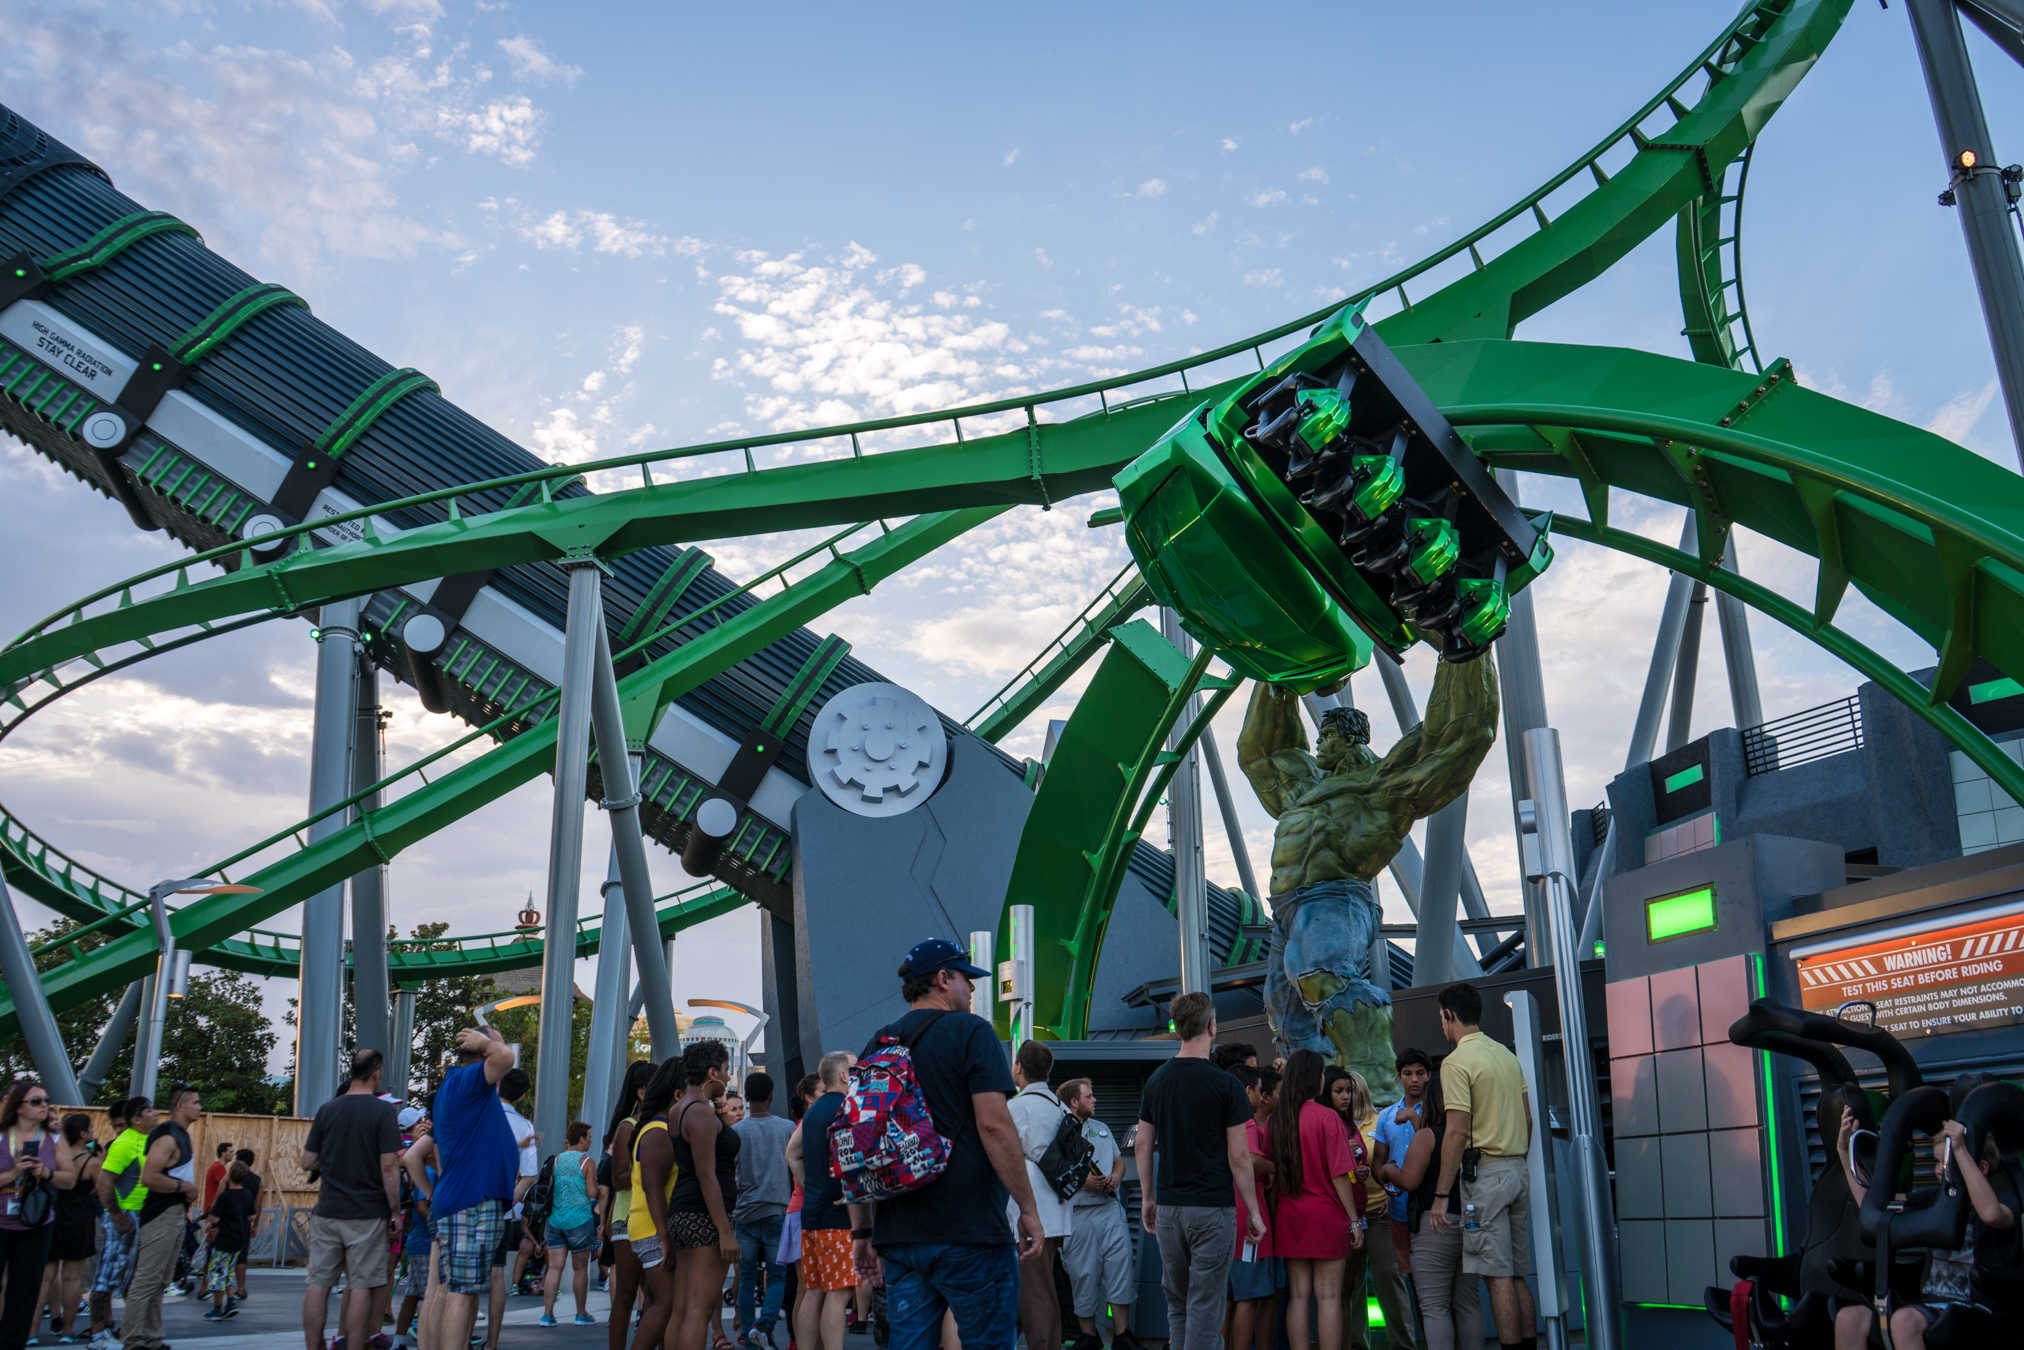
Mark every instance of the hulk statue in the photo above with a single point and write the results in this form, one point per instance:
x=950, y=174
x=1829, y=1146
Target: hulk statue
x=1343, y=813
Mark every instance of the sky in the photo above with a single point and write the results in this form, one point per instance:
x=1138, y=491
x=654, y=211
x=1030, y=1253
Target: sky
x=623, y=226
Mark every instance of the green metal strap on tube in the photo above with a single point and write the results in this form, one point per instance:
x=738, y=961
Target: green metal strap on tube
x=369, y=407
x=229, y=317
x=112, y=241
x=801, y=690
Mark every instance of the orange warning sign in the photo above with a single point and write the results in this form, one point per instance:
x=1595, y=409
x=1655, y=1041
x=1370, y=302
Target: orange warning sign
x=1925, y=980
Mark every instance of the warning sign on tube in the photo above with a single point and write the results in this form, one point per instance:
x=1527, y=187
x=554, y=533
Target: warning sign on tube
x=1925, y=981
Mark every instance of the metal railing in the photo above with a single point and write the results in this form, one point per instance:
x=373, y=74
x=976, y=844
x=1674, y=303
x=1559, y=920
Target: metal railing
x=1830, y=729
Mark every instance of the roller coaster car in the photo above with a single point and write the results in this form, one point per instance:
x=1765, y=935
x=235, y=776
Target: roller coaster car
x=1323, y=507
x=1832, y=1259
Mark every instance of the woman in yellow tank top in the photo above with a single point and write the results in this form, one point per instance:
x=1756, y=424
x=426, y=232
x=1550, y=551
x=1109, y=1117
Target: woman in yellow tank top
x=653, y=1182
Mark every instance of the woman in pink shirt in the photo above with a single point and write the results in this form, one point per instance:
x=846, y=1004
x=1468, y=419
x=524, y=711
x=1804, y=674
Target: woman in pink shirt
x=1313, y=1228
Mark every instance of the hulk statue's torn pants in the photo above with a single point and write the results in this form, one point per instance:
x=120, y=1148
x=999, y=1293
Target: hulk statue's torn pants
x=1319, y=962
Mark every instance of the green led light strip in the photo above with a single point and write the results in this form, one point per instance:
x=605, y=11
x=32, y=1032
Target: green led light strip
x=1676, y=916
x=1756, y=966
x=1685, y=778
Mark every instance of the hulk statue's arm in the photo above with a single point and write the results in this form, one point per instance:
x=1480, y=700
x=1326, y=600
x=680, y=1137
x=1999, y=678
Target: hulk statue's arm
x=1272, y=748
x=1432, y=764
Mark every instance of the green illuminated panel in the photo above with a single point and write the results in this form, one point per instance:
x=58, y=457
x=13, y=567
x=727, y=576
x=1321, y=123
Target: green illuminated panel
x=1674, y=916
x=1994, y=689
x=1686, y=777
x=1756, y=966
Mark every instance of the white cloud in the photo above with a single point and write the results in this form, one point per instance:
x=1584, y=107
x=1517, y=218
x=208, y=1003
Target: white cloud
x=1043, y=257
x=1011, y=157
x=1153, y=187
x=1206, y=225
x=601, y=232
x=531, y=62
x=506, y=129
x=1958, y=416
x=1303, y=124
x=1265, y=276
x=1231, y=142
x=1269, y=197
x=1316, y=174
x=412, y=10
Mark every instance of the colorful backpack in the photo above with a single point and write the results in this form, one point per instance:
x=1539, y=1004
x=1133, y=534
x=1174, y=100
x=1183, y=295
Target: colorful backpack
x=884, y=1141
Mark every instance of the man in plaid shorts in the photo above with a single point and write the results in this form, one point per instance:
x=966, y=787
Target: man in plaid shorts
x=120, y=1193
x=479, y=1159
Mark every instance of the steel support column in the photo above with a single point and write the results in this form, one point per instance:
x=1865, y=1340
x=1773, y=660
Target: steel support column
x=1644, y=734
x=1406, y=709
x=1521, y=689
x=1184, y=827
x=38, y=1023
x=1732, y=616
x=1226, y=804
x=370, y=994
x=319, y=1009
x=653, y=959
x=401, y=1045
x=109, y=1043
x=148, y=1045
x=1979, y=193
x=605, y=1068
x=1553, y=866
x=1686, y=670
x=565, y=852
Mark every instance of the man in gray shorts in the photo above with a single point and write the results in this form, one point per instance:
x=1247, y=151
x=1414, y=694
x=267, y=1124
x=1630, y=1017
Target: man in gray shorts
x=355, y=1143
x=1097, y=1251
x=1489, y=1120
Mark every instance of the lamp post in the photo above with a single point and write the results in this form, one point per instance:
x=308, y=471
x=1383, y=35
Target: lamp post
x=751, y=1037
x=172, y=972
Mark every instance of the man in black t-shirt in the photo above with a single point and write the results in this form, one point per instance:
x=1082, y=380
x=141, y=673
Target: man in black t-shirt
x=1193, y=1115
x=169, y=1172
x=355, y=1143
x=946, y=1245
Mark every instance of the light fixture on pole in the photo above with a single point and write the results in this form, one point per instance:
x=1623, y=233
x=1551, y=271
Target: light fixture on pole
x=751, y=1037
x=172, y=970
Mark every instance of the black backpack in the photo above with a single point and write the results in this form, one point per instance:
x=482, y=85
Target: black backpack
x=1066, y=1162
x=540, y=1198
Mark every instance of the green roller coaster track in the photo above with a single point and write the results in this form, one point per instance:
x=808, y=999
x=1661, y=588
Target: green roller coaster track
x=1929, y=532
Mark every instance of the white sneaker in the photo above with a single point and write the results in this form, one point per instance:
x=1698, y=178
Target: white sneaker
x=103, y=1341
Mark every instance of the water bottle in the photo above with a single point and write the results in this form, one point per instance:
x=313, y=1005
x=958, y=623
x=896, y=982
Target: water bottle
x=1472, y=1221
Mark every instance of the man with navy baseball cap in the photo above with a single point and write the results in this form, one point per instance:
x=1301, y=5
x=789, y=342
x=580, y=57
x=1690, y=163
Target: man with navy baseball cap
x=946, y=1246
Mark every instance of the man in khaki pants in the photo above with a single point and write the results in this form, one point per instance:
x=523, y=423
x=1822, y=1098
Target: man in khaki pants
x=1489, y=1118
x=169, y=1174
x=354, y=1144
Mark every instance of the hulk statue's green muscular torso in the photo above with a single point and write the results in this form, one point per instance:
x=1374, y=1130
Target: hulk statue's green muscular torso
x=1343, y=814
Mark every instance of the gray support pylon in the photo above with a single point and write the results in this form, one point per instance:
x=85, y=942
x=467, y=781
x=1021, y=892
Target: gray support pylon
x=320, y=975
x=139, y=1073
x=1521, y=688
x=38, y=1023
x=605, y=1066
x=370, y=994
x=565, y=852
x=651, y=957
x=1184, y=827
x=1732, y=616
x=1528, y=1043
x=1408, y=870
x=1686, y=670
x=1979, y=193
x=1555, y=870
x=110, y=1041
x=1406, y=709
x=2002, y=21
x=1651, y=706
x=401, y=1044
x=1226, y=804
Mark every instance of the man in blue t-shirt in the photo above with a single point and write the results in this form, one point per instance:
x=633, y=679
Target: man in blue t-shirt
x=946, y=1246
x=1388, y=1240
x=478, y=1156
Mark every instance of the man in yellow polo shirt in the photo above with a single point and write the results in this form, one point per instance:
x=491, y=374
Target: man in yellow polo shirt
x=1489, y=1120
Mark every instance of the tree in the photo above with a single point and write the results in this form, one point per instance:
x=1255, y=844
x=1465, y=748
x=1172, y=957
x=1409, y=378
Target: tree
x=217, y=1034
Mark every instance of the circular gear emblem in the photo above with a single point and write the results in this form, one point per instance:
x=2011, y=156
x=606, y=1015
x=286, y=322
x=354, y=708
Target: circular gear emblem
x=877, y=750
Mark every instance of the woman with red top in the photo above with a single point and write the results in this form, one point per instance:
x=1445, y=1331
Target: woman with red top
x=1338, y=1093
x=1314, y=1207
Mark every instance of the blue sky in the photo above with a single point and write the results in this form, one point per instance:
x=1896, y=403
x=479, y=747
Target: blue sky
x=629, y=225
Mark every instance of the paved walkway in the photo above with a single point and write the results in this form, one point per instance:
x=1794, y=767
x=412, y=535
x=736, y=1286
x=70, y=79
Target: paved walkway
x=271, y=1315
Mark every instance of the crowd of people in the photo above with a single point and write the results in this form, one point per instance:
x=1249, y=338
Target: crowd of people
x=1273, y=1193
